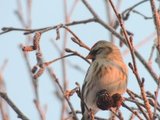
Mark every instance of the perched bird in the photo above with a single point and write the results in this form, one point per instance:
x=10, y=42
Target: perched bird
x=106, y=77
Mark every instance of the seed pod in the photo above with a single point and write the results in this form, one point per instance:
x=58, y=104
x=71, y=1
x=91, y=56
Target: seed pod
x=34, y=69
x=39, y=73
x=28, y=48
x=36, y=40
x=104, y=100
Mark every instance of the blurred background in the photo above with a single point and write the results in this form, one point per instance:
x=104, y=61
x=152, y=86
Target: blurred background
x=16, y=76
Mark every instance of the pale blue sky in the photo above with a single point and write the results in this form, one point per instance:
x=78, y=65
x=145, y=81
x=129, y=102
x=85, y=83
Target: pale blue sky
x=48, y=13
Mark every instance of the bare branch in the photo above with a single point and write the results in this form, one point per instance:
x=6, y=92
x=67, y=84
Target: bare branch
x=13, y=106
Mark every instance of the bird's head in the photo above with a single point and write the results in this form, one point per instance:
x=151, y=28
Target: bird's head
x=103, y=49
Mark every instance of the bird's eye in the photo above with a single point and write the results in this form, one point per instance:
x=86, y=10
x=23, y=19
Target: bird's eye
x=96, y=51
x=99, y=50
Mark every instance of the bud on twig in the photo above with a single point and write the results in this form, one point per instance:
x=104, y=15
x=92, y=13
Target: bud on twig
x=39, y=73
x=68, y=50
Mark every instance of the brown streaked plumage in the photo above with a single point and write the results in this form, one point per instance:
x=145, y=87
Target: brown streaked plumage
x=106, y=72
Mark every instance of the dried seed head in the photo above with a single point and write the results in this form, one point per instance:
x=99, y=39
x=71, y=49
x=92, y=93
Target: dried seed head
x=104, y=100
x=117, y=100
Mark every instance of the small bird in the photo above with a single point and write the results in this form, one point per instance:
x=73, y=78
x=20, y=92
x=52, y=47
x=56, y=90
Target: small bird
x=106, y=76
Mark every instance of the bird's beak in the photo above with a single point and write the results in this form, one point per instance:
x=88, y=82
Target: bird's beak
x=89, y=56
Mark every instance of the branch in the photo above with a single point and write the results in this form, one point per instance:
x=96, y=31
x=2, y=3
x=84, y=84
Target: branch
x=40, y=110
x=126, y=13
x=75, y=66
x=156, y=101
x=77, y=54
x=13, y=106
x=61, y=89
x=134, y=112
x=138, y=104
x=156, y=22
x=45, y=29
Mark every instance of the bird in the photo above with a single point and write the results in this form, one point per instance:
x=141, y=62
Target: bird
x=106, y=78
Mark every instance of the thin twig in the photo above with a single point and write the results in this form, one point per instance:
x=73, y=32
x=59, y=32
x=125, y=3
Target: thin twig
x=76, y=39
x=80, y=43
x=63, y=62
x=90, y=9
x=77, y=54
x=126, y=13
x=138, y=105
x=3, y=106
x=4, y=65
x=151, y=54
x=34, y=82
x=40, y=110
x=75, y=66
x=156, y=101
x=156, y=22
x=115, y=114
x=109, y=17
x=139, y=13
x=73, y=7
x=142, y=42
x=45, y=29
x=96, y=118
x=13, y=106
x=57, y=92
x=19, y=13
x=61, y=89
x=132, y=117
x=134, y=112
x=54, y=60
